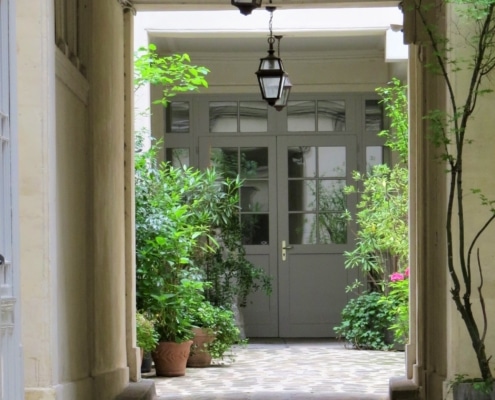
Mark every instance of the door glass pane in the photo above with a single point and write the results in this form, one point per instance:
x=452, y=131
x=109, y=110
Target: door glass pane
x=223, y=116
x=331, y=115
x=177, y=117
x=254, y=162
x=302, y=228
x=255, y=229
x=331, y=195
x=374, y=116
x=374, y=156
x=253, y=116
x=302, y=195
x=254, y=196
x=301, y=162
x=301, y=116
x=331, y=162
x=332, y=228
x=225, y=161
x=178, y=157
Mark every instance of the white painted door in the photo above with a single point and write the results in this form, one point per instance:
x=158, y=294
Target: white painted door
x=11, y=386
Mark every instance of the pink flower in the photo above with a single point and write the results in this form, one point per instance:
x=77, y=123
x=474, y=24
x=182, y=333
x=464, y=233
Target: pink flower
x=396, y=276
x=406, y=272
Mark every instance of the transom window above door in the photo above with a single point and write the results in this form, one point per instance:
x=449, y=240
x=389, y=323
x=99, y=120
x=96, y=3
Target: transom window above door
x=238, y=116
x=316, y=116
x=189, y=117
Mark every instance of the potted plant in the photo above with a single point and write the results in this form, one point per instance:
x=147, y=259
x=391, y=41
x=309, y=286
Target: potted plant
x=468, y=51
x=216, y=332
x=168, y=231
x=146, y=338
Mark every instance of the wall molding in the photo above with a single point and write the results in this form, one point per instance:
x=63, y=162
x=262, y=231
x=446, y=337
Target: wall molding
x=71, y=76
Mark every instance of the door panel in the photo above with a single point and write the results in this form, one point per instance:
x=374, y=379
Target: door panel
x=312, y=171
x=254, y=158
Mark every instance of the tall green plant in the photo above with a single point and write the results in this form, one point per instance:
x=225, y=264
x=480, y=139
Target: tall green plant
x=382, y=245
x=169, y=231
x=451, y=132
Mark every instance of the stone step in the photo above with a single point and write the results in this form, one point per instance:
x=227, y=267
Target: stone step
x=143, y=390
x=278, y=396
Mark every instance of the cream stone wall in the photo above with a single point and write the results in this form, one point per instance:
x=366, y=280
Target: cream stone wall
x=37, y=208
x=72, y=245
x=73, y=332
x=478, y=174
x=106, y=113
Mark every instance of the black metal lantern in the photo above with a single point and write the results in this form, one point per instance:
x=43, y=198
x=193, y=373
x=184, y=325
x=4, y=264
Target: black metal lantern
x=271, y=75
x=246, y=6
x=284, y=97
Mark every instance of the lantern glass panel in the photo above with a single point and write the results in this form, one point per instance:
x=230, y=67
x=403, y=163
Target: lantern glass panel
x=270, y=86
x=270, y=64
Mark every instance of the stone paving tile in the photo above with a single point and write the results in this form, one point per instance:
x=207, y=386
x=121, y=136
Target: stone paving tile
x=290, y=369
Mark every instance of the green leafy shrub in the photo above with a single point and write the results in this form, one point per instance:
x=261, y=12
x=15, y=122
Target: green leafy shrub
x=382, y=244
x=365, y=321
x=382, y=240
x=146, y=336
x=398, y=300
x=221, y=322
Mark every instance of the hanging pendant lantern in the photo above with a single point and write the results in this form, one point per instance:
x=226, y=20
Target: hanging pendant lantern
x=246, y=6
x=271, y=74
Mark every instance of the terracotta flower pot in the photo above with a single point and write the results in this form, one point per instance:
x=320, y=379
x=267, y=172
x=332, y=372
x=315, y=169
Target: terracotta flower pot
x=199, y=356
x=170, y=358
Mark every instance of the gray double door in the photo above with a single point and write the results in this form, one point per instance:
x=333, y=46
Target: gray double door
x=293, y=212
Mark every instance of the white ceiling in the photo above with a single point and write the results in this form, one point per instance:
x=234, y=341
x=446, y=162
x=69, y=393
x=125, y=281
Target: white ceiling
x=304, y=31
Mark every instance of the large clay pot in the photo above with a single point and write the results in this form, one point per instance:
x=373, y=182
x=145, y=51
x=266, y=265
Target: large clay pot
x=170, y=358
x=199, y=356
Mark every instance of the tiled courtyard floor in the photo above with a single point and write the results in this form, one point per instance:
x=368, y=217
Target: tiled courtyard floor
x=289, y=369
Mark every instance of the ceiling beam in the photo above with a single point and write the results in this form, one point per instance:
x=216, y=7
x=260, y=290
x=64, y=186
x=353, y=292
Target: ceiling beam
x=196, y=5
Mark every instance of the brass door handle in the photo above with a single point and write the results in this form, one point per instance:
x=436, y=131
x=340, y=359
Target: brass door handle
x=285, y=247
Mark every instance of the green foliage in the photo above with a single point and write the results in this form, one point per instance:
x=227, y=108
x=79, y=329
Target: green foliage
x=382, y=239
x=365, y=321
x=169, y=230
x=180, y=215
x=174, y=73
x=394, y=100
x=146, y=336
x=221, y=322
x=398, y=301
x=232, y=275
x=382, y=244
